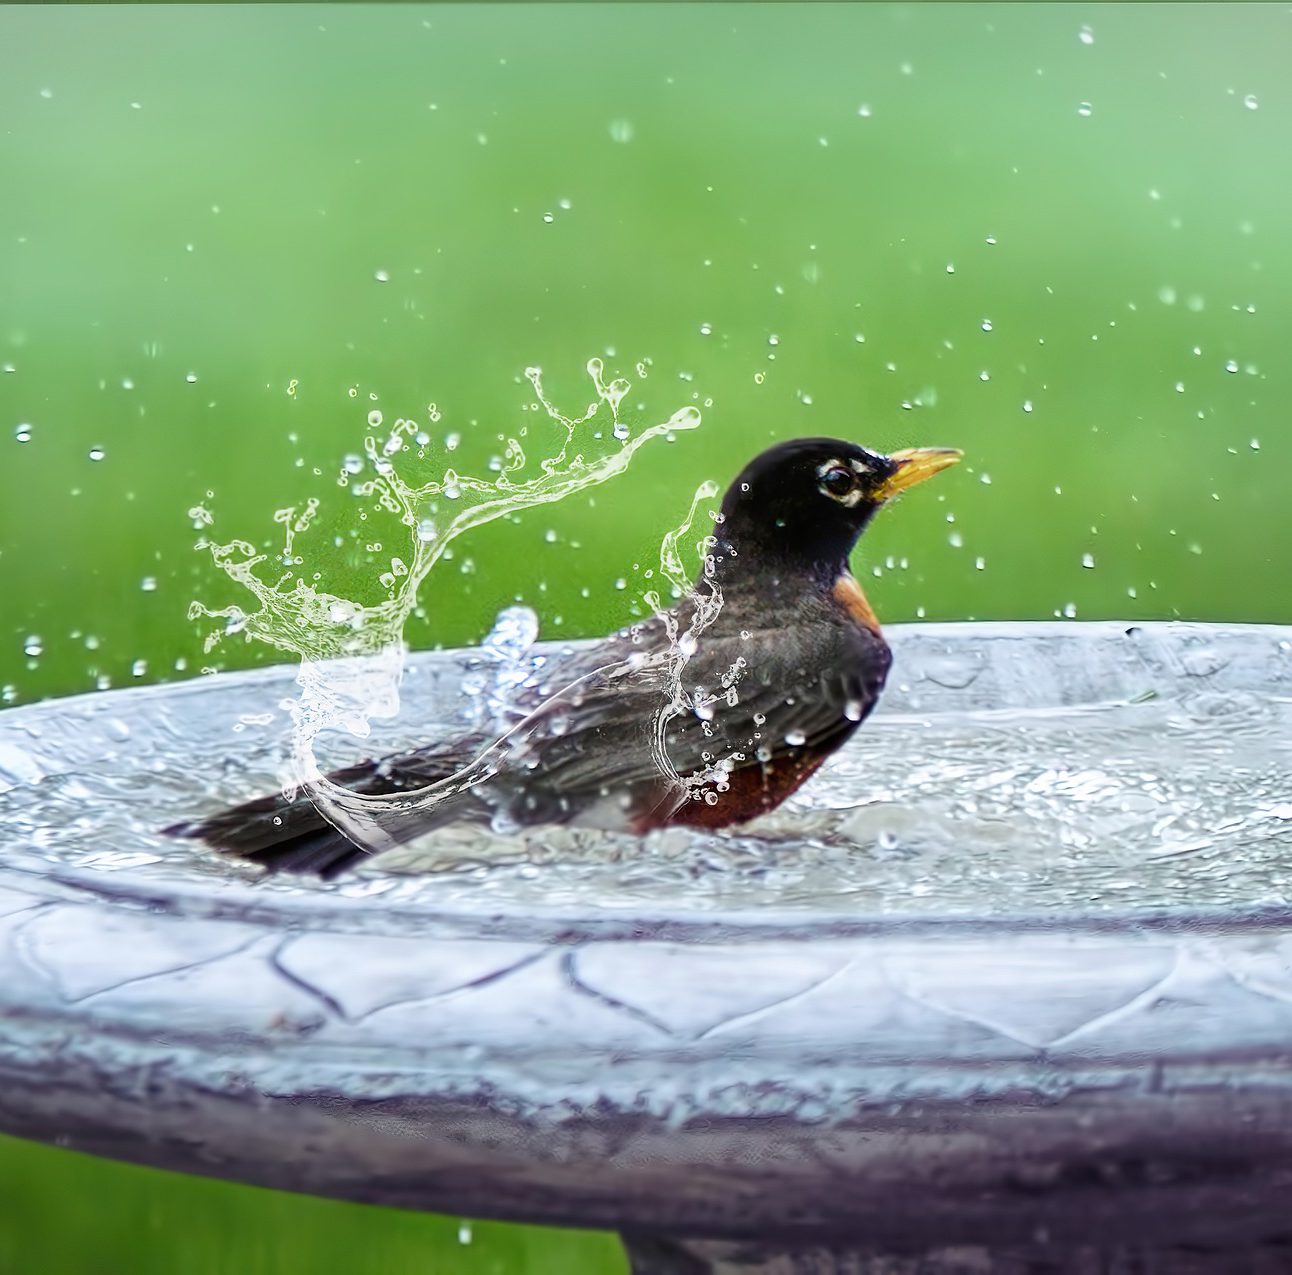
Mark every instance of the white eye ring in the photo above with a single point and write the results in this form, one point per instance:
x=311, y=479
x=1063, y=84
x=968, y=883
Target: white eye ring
x=830, y=478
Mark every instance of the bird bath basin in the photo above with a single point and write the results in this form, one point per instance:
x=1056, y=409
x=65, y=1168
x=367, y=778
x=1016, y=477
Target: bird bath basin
x=1014, y=971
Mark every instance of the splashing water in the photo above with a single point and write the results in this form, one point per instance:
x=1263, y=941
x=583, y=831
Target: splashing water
x=352, y=654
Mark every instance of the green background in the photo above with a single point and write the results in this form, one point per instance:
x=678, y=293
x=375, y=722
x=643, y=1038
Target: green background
x=198, y=204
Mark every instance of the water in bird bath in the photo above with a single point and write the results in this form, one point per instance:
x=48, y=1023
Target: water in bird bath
x=1175, y=795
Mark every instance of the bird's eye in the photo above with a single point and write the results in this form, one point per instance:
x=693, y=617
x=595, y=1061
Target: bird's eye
x=838, y=481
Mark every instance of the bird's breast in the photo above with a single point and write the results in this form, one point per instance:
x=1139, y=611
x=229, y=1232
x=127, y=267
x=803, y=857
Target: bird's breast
x=850, y=598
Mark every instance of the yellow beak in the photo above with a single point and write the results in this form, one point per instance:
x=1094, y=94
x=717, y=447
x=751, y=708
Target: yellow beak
x=914, y=465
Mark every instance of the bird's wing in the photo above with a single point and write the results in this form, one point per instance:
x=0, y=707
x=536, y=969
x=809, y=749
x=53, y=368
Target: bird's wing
x=628, y=724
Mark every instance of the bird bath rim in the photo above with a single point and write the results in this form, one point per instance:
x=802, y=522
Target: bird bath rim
x=242, y=897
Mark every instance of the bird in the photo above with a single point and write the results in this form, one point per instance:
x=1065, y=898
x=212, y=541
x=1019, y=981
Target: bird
x=704, y=716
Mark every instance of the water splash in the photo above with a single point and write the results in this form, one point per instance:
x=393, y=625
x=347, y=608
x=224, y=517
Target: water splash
x=352, y=653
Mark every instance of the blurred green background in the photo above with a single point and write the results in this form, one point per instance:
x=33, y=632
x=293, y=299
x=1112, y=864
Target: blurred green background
x=1055, y=236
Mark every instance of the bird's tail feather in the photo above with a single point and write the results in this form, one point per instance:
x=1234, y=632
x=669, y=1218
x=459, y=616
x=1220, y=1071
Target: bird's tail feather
x=285, y=834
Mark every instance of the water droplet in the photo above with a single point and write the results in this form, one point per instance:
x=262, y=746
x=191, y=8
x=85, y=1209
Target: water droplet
x=1085, y=110
x=452, y=442
x=148, y=584
x=985, y=479
x=773, y=339
x=374, y=418
x=1250, y=102
x=381, y=276
x=984, y=375
x=564, y=205
x=621, y=131
x=139, y=668
x=986, y=325
x=1027, y=405
x=191, y=378
x=1166, y=295
x=706, y=329
x=759, y=378
x=97, y=453
x=352, y=464
x=795, y=738
x=1086, y=35
x=23, y=433
x=864, y=111
x=980, y=564
x=621, y=583
x=426, y=531
x=1088, y=561
x=548, y=218
x=1231, y=365
x=33, y=646
x=951, y=269
x=956, y=540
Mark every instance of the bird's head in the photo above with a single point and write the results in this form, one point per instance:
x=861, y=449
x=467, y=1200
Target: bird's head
x=804, y=503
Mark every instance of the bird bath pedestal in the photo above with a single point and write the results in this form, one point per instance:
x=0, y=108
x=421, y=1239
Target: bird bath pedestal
x=793, y=1086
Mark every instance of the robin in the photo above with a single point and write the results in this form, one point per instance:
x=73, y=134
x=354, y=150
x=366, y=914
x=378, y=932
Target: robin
x=704, y=724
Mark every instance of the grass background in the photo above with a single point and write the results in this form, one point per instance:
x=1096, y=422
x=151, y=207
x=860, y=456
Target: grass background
x=1061, y=231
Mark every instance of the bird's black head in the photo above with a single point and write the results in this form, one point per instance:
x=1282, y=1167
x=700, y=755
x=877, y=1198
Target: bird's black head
x=802, y=504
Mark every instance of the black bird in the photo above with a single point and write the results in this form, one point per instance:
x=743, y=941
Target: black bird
x=705, y=716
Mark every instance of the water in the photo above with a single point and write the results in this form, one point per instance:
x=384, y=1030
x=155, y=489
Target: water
x=352, y=652
x=1176, y=796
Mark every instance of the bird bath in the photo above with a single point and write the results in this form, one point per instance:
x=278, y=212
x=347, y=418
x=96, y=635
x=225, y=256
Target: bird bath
x=1014, y=971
